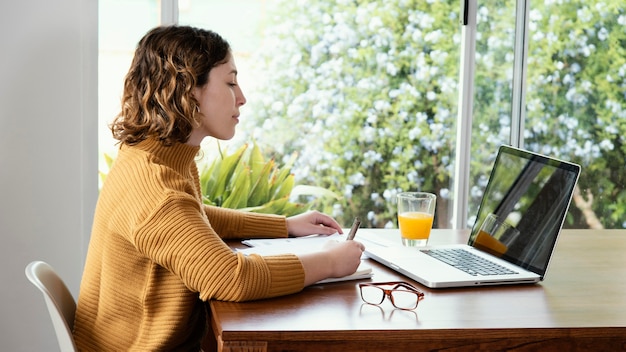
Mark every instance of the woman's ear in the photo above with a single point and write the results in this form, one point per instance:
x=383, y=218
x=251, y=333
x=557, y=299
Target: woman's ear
x=195, y=93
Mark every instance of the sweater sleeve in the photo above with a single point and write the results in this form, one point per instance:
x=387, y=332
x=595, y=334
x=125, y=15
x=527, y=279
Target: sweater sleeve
x=179, y=237
x=234, y=224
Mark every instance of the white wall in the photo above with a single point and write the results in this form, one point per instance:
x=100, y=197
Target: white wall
x=48, y=155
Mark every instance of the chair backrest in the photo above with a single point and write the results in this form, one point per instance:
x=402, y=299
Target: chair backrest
x=60, y=302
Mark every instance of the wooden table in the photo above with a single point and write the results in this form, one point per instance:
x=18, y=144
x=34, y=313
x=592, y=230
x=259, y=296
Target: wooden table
x=581, y=305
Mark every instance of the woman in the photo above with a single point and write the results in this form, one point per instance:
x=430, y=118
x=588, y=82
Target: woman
x=156, y=252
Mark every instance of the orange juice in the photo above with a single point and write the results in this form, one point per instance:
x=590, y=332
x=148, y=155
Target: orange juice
x=415, y=225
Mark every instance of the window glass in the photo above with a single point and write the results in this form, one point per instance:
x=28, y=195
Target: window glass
x=365, y=92
x=493, y=76
x=121, y=24
x=366, y=95
x=576, y=101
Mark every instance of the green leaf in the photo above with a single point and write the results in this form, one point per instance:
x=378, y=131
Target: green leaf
x=274, y=207
x=240, y=188
x=292, y=209
x=226, y=169
x=260, y=191
x=304, y=190
x=281, y=176
x=285, y=187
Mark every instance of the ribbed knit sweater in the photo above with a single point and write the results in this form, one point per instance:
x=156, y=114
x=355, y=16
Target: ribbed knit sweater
x=156, y=253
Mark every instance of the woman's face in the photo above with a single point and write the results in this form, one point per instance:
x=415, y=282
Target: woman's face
x=219, y=101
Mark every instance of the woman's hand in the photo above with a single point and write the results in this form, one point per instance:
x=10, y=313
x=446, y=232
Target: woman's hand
x=312, y=223
x=336, y=259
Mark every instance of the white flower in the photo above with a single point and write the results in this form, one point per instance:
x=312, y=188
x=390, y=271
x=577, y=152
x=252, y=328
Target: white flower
x=368, y=134
x=413, y=176
x=584, y=15
x=438, y=56
x=347, y=191
x=603, y=34
x=370, y=158
x=337, y=210
x=357, y=179
x=375, y=24
x=434, y=36
x=382, y=105
x=415, y=133
x=606, y=145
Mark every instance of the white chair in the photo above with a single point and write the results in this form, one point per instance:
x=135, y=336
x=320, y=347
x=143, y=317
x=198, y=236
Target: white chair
x=60, y=302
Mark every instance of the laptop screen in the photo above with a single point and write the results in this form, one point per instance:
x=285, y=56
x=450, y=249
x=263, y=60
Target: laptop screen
x=531, y=194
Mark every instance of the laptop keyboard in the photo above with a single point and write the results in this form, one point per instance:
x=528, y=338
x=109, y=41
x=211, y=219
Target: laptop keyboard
x=468, y=262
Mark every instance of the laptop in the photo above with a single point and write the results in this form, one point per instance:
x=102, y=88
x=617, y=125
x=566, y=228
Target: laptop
x=529, y=192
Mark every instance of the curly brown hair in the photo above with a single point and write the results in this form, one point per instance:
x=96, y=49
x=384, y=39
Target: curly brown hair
x=158, y=101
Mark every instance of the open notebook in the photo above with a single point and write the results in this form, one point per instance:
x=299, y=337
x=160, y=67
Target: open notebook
x=531, y=192
x=300, y=245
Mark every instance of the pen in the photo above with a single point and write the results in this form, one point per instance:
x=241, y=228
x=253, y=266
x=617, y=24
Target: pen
x=355, y=226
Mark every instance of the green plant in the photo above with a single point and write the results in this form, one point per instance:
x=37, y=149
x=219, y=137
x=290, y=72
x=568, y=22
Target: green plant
x=245, y=180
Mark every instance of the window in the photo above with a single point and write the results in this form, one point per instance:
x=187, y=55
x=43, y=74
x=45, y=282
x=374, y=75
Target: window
x=574, y=67
x=576, y=101
x=493, y=92
x=368, y=94
x=121, y=24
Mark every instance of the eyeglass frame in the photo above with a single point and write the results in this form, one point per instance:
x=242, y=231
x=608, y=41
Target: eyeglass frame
x=387, y=293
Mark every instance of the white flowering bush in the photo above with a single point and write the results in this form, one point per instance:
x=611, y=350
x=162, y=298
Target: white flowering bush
x=372, y=86
x=372, y=89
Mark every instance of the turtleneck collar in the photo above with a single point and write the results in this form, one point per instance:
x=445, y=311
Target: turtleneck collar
x=178, y=155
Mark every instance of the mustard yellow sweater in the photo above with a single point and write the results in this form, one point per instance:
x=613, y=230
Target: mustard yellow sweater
x=156, y=253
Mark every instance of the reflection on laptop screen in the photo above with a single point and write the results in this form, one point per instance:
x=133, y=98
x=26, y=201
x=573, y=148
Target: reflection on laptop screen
x=532, y=193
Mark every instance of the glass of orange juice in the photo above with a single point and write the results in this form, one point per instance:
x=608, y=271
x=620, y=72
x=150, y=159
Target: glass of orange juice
x=416, y=211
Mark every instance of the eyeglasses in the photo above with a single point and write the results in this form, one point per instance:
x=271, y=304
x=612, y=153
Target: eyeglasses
x=401, y=294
